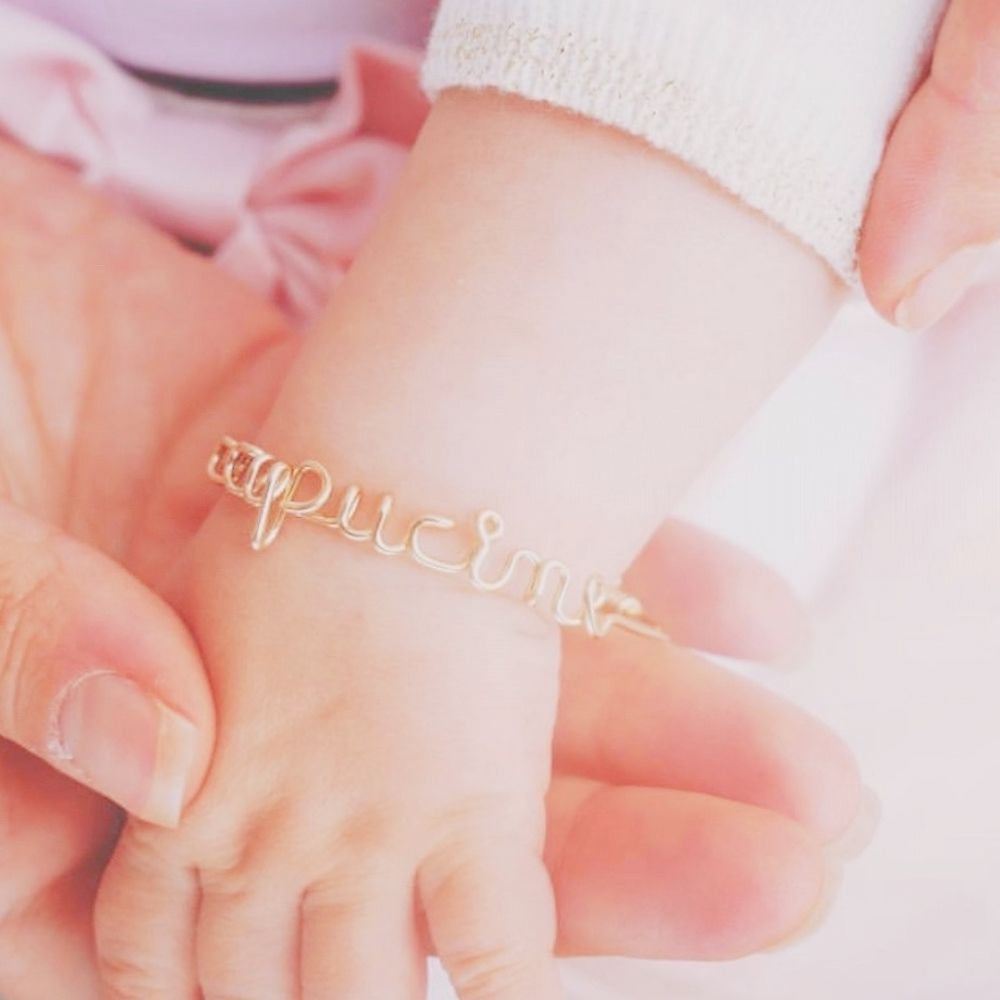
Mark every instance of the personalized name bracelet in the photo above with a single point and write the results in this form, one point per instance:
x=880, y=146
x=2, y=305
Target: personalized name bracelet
x=279, y=490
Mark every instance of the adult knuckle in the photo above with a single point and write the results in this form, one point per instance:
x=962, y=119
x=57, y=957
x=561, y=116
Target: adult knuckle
x=23, y=596
x=29, y=605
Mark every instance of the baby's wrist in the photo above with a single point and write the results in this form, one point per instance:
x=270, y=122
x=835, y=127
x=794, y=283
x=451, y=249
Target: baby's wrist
x=536, y=328
x=435, y=472
x=375, y=610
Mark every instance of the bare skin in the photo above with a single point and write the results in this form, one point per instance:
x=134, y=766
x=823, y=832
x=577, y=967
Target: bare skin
x=934, y=215
x=104, y=320
x=531, y=328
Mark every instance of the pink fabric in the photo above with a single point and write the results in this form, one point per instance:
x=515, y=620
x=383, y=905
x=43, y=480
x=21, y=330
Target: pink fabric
x=285, y=208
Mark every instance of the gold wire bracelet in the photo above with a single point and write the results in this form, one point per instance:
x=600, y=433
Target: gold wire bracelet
x=276, y=489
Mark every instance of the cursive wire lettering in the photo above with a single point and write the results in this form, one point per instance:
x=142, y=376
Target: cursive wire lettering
x=306, y=491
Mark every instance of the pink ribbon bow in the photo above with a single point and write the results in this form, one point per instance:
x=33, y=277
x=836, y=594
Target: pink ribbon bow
x=284, y=207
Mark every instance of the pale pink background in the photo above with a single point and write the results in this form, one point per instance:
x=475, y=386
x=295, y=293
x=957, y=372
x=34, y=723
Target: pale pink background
x=872, y=479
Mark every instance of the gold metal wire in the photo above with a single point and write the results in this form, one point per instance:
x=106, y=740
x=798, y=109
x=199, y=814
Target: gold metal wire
x=279, y=490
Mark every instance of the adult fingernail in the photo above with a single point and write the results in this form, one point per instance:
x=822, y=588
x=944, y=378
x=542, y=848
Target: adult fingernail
x=851, y=843
x=126, y=745
x=855, y=839
x=821, y=909
x=932, y=295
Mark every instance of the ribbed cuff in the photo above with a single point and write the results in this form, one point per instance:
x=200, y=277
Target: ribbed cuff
x=785, y=103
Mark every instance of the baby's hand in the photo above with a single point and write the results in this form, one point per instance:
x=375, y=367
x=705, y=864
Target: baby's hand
x=377, y=789
x=518, y=333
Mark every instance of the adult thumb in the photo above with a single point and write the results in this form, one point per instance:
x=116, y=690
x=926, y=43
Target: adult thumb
x=98, y=676
x=935, y=205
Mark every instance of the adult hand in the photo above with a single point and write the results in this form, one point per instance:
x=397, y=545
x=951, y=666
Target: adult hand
x=935, y=206
x=112, y=353
x=123, y=357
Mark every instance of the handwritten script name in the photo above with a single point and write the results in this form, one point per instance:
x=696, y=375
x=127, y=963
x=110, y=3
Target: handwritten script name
x=306, y=491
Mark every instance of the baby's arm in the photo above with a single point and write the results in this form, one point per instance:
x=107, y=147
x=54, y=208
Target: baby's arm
x=554, y=321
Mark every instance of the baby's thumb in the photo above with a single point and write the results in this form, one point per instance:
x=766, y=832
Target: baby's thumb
x=935, y=206
x=98, y=677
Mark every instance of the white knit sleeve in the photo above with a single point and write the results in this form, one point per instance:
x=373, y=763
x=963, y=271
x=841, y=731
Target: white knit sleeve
x=786, y=103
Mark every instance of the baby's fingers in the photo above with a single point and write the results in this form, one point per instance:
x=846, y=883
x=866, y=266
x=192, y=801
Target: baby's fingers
x=361, y=941
x=491, y=919
x=248, y=935
x=144, y=922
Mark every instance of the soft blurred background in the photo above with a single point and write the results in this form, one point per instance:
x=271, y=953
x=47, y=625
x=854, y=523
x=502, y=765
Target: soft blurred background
x=871, y=480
